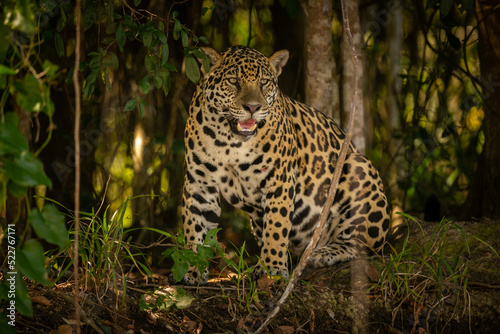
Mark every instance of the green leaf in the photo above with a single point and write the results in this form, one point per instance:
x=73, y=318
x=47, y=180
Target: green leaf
x=17, y=190
x=11, y=140
x=49, y=225
x=164, y=53
x=177, y=29
x=137, y=2
x=150, y=63
x=23, y=301
x=59, y=44
x=203, y=39
x=61, y=22
x=211, y=238
x=27, y=171
x=120, y=37
x=4, y=70
x=89, y=15
x=445, y=7
x=161, y=26
x=161, y=36
x=185, y=38
x=130, y=105
x=147, y=38
x=192, y=70
x=157, y=81
x=180, y=267
x=142, y=107
x=145, y=86
x=31, y=262
x=29, y=95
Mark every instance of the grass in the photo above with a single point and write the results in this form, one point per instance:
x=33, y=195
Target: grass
x=428, y=273
x=105, y=252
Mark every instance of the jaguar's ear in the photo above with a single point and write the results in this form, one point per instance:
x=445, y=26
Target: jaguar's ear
x=210, y=59
x=278, y=60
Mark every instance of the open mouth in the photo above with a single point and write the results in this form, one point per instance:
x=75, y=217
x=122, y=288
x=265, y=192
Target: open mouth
x=247, y=127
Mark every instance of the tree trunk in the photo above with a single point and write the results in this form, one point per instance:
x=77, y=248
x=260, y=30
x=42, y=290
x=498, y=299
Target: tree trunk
x=359, y=131
x=486, y=199
x=318, y=54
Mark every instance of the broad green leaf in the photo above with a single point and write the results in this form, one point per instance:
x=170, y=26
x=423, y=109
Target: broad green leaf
x=120, y=37
x=185, y=38
x=142, y=107
x=164, y=53
x=150, y=63
x=211, y=238
x=17, y=190
x=23, y=301
x=147, y=37
x=50, y=69
x=161, y=36
x=145, y=86
x=180, y=267
x=445, y=7
x=137, y=2
x=49, y=225
x=157, y=81
x=31, y=262
x=26, y=170
x=61, y=22
x=59, y=44
x=4, y=70
x=203, y=39
x=177, y=29
x=130, y=105
x=192, y=70
x=89, y=15
x=29, y=94
x=11, y=140
x=161, y=26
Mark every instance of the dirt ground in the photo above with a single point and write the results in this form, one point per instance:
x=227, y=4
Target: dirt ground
x=346, y=298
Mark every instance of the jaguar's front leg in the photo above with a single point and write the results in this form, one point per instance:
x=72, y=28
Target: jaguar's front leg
x=278, y=210
x=200, y=214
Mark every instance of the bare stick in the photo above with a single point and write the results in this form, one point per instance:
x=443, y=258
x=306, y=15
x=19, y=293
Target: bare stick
x=318, y=228
x=76, y=84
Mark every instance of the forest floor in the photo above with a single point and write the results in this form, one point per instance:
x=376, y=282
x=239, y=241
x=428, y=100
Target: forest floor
x=418, y=293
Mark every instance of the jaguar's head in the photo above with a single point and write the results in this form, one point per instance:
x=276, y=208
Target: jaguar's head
x=242, y=85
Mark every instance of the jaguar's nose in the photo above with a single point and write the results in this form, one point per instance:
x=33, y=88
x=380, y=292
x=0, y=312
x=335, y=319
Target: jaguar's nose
x=252, y=108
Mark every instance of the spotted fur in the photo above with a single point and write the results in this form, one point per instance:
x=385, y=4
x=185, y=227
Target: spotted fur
x=273, y=157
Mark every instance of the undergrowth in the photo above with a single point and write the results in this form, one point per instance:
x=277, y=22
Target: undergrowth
x=426, y=274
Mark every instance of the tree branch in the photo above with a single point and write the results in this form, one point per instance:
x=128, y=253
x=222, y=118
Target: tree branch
x=76, y=84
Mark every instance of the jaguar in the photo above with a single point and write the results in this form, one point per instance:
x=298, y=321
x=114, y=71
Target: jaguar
x=273, y=158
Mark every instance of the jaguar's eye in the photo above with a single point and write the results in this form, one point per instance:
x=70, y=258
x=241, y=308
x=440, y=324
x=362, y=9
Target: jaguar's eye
x=232, y=80
x=264, y=82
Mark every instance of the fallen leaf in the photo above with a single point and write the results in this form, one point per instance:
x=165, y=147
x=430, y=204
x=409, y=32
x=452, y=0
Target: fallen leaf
x=372, y=273
x=284, y=330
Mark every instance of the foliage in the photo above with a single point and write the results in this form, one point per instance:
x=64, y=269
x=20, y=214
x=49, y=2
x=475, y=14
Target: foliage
x=420, y=273
x=184, y=256
x=166, y=299
x=106, y=252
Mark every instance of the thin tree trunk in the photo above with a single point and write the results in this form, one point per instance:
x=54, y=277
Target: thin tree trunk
x=360, y=130
x=318, y=54
x=485, y=200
